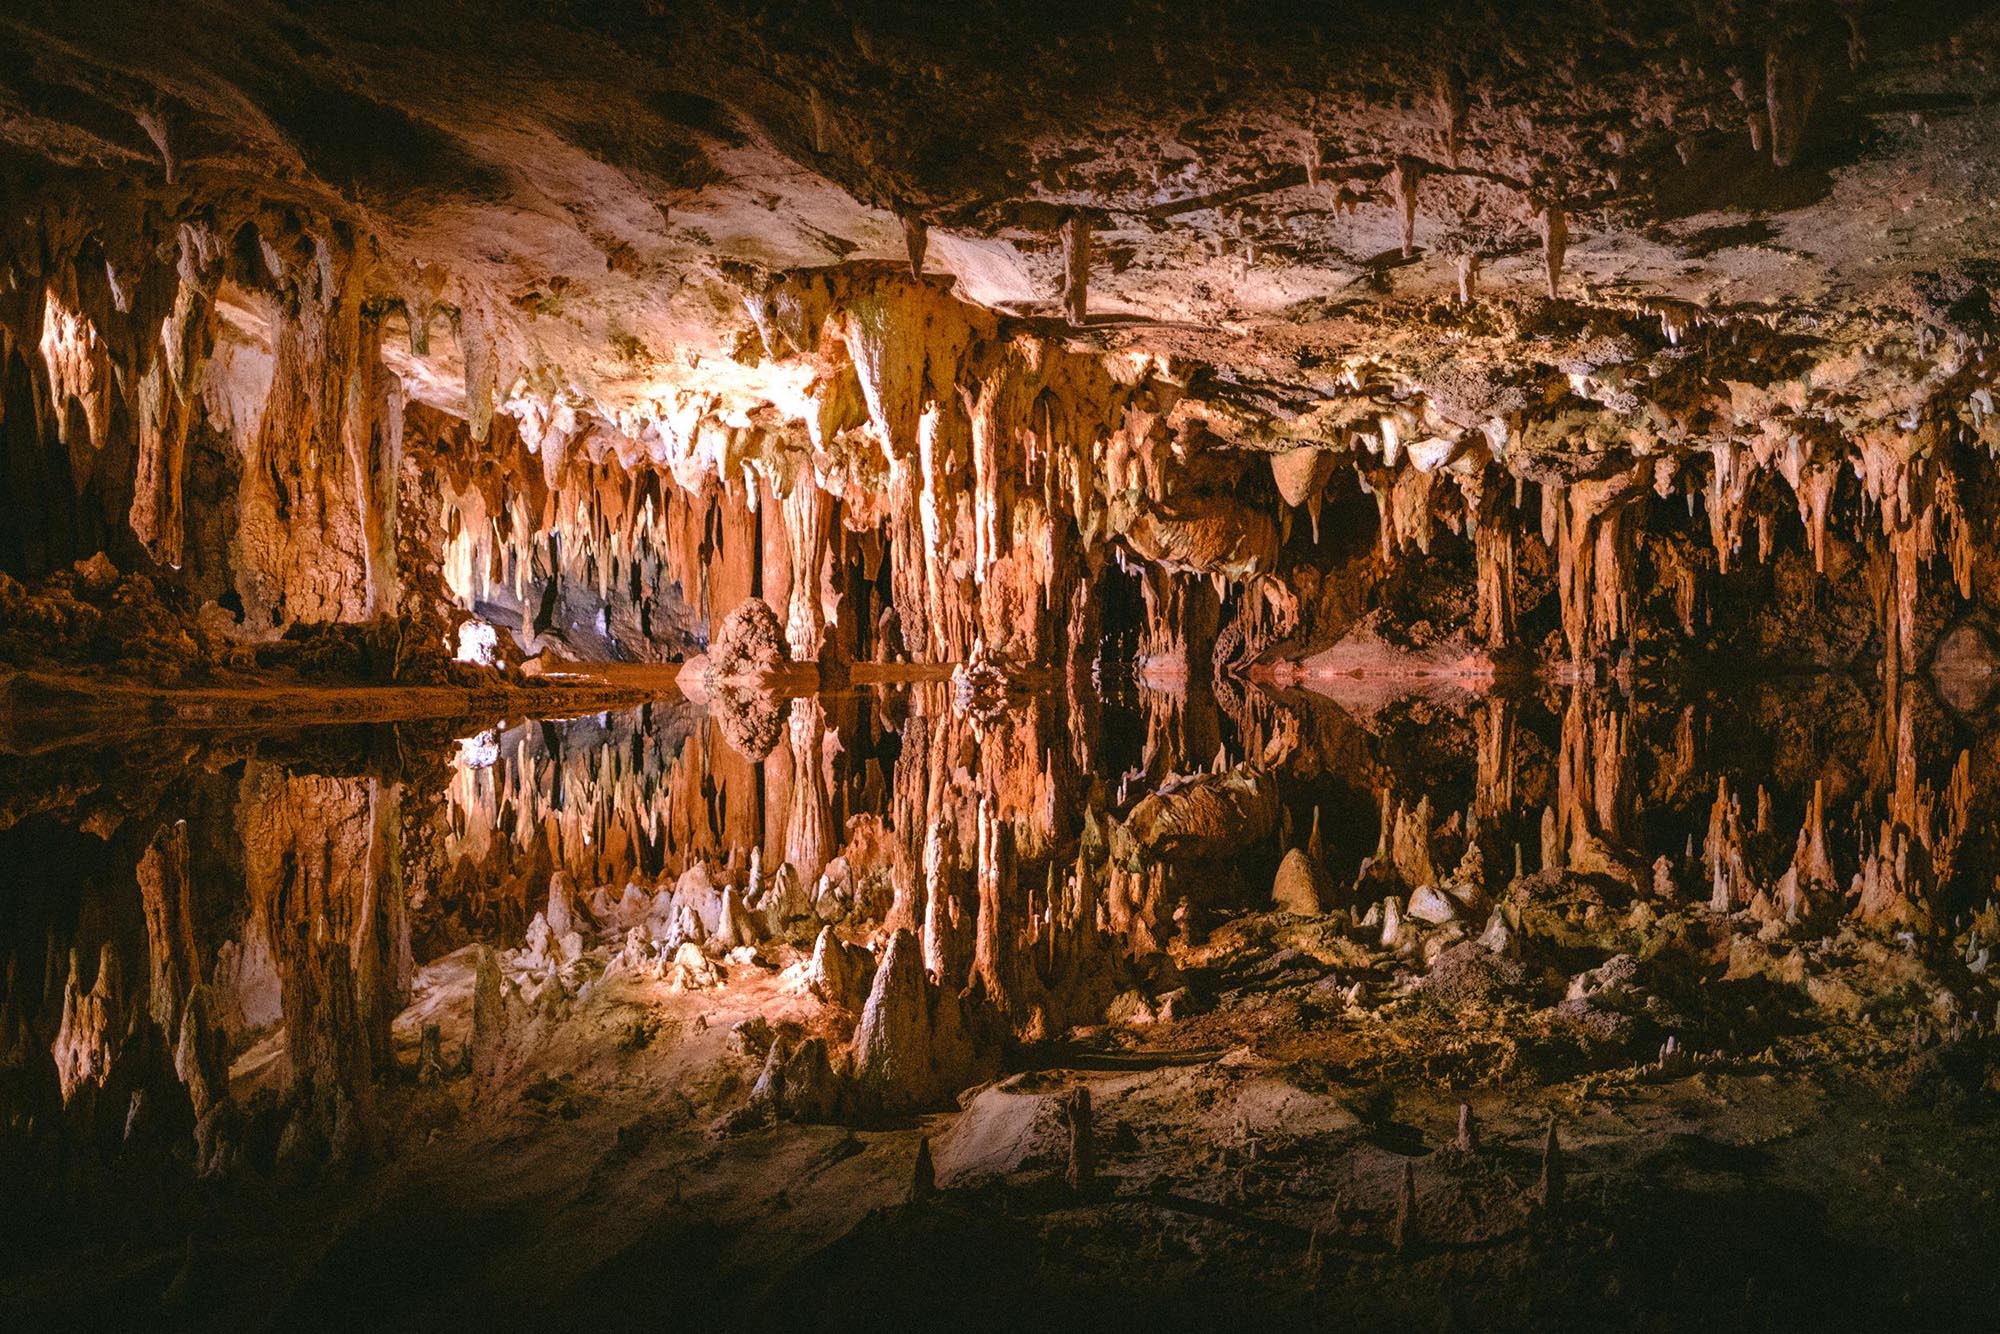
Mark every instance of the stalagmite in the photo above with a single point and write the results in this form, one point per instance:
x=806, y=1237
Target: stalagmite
x=1467, y=1140
x=489, y=1016
x=1081, y=1173
x=1392, y=923
x=430, y=1055
x=911, y=1049
x=835, y=975
x=1301, y=885
x=1549, y=1187
x=1403, y=1234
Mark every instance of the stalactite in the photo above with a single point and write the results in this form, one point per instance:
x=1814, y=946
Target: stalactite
x=79, y=368
x=1490, y=525
x=1729, y=483
x=1791, y=83
x=166, y=895
x=1553, y=224
x=817, y=111
x=1448, y=91
x=808, y=520
x=1403, y=499
x=1404, y=178
x=166, y=397
x=916, y=238
x=308, y=541
x=1076, y=268
x=1585, y=524
x=92, y=1023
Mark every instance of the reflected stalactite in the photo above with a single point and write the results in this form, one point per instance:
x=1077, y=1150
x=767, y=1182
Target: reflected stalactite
x=951, y=906
x=809, y=835
x=319, y=853
x=1035, y=897
x=1591, y=812
x=166, y=894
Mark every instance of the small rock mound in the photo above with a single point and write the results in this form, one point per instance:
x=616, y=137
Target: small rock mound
x=1009, y=1129
x=1468, y=975
x=1301, y=886
x=749, y=646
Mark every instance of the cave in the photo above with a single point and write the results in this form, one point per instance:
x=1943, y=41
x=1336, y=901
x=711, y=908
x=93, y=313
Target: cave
x=1301, y=664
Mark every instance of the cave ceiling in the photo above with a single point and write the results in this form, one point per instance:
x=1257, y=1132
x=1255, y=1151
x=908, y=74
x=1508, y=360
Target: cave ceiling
x=1280, y=200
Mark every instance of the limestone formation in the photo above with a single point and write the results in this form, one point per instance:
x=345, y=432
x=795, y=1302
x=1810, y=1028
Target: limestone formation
x=749, y=646
x=489, y=1016
x=912, y=1049
x=839, y=973
x=1403, y=1234
x=1081, y=1174
x=1549, y=1187
x=1301, y=886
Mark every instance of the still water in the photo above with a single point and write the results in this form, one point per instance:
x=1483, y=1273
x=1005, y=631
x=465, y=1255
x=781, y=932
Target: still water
x=299, y=880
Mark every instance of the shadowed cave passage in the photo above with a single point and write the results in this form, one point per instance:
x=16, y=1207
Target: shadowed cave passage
x=1128, y=665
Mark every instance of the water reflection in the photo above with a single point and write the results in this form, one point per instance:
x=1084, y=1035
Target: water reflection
x=1804, y=791
x=175, y=910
